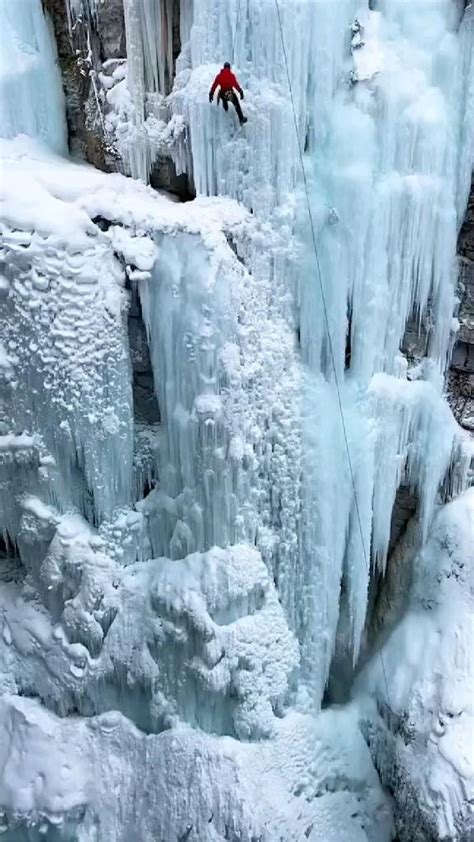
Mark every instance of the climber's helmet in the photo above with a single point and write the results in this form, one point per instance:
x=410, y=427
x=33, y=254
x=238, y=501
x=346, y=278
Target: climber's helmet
x=227, y=65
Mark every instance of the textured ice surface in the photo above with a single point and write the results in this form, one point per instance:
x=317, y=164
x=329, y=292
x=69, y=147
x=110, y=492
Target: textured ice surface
x=421, y=724
x=184, y=784
x=201, y=641
x=380, y=152
x=200, y=644
x=155, y=648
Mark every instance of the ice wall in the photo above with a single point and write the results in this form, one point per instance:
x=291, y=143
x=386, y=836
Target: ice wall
x=259, y=166
x=387, y=163
x=227, y=383
x=377, y=105
x=31, y=96
x=259, y=352
x=178, y=668
x=68, y=379
x=390, y=165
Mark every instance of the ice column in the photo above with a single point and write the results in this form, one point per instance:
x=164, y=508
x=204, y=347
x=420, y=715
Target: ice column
x=384, y=155
x=184, y=312
x=31, y=95
x=149, y=35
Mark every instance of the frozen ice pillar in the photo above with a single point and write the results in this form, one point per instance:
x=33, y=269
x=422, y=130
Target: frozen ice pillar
x=31, y=95
x=185, y=307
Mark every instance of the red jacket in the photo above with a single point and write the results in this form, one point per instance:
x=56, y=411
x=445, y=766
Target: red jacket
x=226, y=79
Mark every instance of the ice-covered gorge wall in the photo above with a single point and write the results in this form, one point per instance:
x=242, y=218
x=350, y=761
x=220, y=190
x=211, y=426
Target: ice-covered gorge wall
x=389, y=159
x=392, y=152
x=386, y=129
x=260, y=166
x=396, y=161
x=375, y=262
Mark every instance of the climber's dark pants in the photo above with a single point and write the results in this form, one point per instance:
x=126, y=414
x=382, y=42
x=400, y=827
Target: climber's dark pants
x=229, y=96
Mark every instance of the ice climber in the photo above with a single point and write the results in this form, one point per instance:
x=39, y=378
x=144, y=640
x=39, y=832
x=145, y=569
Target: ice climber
x=226, y=81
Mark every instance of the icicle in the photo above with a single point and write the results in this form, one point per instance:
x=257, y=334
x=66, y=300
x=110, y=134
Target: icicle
x=193, y=508
x=150, y=66
x=186, y=13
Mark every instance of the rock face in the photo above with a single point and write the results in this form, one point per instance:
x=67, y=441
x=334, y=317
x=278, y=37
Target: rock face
x=78, y=45
x=90, y=48
x=83, y=43
x=461, y=374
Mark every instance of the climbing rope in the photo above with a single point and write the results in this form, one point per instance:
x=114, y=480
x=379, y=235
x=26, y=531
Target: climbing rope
x=325, y=311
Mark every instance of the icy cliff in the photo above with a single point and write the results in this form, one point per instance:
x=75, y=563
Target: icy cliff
x=422, y=724
x=210, y=413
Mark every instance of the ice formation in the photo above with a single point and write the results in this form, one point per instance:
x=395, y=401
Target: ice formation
x=206, y=416
x=31, y=96
x=380, y=151
x=423, y=728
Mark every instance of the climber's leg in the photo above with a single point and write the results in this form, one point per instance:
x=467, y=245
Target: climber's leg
x=224, y=102
x=237, y=107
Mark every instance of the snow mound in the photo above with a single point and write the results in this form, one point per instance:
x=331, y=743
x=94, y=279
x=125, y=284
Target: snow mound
x=186, y=784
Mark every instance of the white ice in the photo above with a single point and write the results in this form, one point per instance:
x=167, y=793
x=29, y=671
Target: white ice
x=420, y=717
x=31, y=96
x=288, y=415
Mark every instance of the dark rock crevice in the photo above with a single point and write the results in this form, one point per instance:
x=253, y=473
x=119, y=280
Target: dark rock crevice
x=145, y=405
x=12, y=568
x=387, y=599
x=460, y=378
x=163, y=176
x=146, y=408
x=80, y=52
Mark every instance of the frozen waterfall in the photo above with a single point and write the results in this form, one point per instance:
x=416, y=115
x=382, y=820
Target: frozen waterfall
x=379, y=152
x=209, y=409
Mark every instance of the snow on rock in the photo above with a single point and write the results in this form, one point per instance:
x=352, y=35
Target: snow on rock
x=368, y=52
x=419, y=719
x=137, y=140
x=188, y=784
